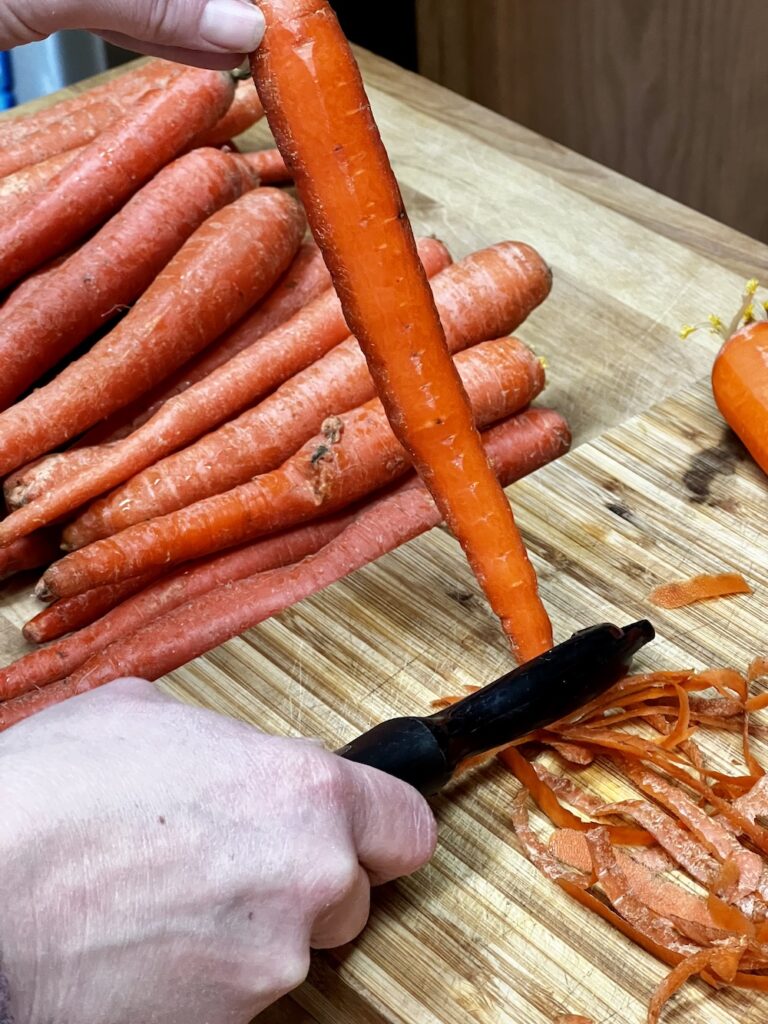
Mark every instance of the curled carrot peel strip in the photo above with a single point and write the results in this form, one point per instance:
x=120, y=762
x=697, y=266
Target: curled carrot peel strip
x=682, y=593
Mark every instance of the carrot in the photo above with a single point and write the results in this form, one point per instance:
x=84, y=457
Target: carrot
x=73, y=613
x=141, y=609
x=740, y=387
x=79, y=128
x=316, y=106
x=29, y=552
x=110, y=169
x=15, y=188
x=354, y=454
x=515, y=448
x=682, y=593
x=227, y=265
x=269, y=165
x=245, y=111
x=485, y=295
x=230, y=388
x=58, y=311
x=120, y=94
x=306, y=279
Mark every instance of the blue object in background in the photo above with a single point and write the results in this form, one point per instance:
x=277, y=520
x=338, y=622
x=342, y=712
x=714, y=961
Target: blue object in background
x=40, y=68
x=7, y=98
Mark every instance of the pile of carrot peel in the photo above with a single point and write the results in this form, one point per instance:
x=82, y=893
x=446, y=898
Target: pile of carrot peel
x=677, y=858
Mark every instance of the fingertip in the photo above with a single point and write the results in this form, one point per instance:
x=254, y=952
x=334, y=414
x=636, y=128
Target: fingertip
x=234, y=25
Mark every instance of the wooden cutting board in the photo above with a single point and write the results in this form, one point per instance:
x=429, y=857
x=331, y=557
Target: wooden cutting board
x=655, y=489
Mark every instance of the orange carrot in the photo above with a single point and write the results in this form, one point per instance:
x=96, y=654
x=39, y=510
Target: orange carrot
x=269, y=165
x=740, y=387
x=79, y=128
x=323, y=126
x=305, y=280
x=110, y=169
x=53, y=314
x=227, y=265
x=245, y=111
x=74, y=613
x=28, y=553
x=141, y=609
x=699, y=588
x=15, y=188
x=120, y=94
x=516, y=447
x=485, y=295
x=354, y=454
x=242, y=380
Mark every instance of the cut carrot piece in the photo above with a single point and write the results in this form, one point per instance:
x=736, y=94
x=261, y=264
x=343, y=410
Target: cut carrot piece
x=699, y=588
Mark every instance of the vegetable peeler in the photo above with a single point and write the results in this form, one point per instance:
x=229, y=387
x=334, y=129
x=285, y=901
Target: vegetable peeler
x=425, y=752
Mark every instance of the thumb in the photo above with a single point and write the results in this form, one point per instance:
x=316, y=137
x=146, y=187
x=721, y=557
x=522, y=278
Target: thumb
x=393, y=827
x=210, y=32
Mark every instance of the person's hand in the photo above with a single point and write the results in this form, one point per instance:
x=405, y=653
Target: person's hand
x=162, y=863
x=207, y=33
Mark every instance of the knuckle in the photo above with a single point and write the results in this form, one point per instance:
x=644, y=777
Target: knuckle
x=340, y=877
x=292, y=971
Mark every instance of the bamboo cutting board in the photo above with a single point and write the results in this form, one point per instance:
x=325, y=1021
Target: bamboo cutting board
x=655, y=489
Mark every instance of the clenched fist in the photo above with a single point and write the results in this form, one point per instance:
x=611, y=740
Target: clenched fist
x=167, y=865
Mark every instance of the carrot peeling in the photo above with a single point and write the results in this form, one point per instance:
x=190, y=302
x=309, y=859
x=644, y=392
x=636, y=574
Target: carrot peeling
x=699, y=588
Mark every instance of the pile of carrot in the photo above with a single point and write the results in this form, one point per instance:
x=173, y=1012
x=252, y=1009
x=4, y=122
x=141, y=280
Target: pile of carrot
x=184, y=409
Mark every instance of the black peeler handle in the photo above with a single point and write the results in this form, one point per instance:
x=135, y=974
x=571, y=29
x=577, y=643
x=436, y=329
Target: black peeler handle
x=425, y=752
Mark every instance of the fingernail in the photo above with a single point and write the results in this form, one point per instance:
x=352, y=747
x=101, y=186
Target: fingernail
x=235, y=25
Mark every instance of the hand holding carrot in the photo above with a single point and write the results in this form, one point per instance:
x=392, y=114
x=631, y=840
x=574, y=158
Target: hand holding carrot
x=278, y=840
x=206, y=33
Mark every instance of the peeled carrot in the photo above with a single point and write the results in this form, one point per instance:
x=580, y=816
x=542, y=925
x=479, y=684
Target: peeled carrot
x=140, y=609
x=305, y=280
x=269, y=165
x=516, y=447
x=245, y=111
x=30, y=552
x=740, y=387
x=354, y=455
x=16, y=188
x=118, y=95
x=50, y=316
x=242, y=380
x=485, y=295
x=316, y=106
x=74, y=613
x=227, y=265
x=110, y=169
x=682, y=593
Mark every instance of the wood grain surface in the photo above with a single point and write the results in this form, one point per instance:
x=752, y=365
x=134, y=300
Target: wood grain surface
x=656, y=489
x=667, y=93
